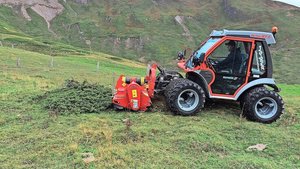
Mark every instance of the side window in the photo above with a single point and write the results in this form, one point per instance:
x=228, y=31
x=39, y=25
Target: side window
x=220, y=53
x=259, y=60
x=231, y=57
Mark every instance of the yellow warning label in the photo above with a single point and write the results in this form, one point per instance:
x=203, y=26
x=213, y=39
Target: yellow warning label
x=134, y=93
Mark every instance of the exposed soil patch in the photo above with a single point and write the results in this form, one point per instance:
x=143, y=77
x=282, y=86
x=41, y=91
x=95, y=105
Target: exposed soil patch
x=46, y=9
x=180, y=21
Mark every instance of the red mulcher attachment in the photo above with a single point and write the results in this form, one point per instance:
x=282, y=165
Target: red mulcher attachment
x=135, y=93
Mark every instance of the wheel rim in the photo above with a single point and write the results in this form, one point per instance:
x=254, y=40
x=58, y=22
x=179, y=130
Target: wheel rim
x=188, y=100
x=266, y=107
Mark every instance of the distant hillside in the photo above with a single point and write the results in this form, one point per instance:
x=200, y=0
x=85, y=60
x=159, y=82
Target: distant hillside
x=146, y=30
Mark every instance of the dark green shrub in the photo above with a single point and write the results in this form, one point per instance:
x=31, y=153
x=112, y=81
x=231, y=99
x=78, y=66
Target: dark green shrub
x=76, y=97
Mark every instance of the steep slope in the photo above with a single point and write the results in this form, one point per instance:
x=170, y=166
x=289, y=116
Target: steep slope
x=218, y=137
x=153, y=30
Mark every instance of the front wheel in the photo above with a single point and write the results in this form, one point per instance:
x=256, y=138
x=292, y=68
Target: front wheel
x=263, y=105
x=184, y=97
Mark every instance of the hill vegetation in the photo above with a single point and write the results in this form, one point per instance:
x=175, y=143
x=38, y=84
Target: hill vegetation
x=147, y=30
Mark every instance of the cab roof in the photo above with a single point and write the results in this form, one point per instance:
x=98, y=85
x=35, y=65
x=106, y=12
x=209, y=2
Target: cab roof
x=267, y=36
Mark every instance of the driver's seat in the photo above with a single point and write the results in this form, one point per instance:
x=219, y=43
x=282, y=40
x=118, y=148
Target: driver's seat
x=243, y=66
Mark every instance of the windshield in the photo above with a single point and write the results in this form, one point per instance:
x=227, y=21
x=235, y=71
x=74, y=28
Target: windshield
x=203, y=49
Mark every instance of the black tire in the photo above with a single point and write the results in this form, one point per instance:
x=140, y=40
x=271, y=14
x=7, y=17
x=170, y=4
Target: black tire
x=262, y=105
x=191, y=97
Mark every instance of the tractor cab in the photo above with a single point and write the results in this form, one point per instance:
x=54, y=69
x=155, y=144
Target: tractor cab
x=228, y=60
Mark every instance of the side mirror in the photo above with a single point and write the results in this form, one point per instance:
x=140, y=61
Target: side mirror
x=181, y=55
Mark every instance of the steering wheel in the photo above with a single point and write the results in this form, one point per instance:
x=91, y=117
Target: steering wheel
x=212, y=62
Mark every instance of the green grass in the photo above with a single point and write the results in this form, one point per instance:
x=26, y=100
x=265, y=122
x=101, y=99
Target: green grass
x=216, y=138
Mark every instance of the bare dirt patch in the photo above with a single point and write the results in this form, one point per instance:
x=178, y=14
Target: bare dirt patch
x=46, y=9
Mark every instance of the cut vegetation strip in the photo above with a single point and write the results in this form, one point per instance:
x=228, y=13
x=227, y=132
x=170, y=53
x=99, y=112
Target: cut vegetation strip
x=76, y=97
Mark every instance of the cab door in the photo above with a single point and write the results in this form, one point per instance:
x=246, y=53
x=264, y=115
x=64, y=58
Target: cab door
x=230, y=66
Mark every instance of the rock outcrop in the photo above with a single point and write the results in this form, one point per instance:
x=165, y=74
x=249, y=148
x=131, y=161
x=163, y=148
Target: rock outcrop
x=45, y=8
x=232, y=12
x=180, y=21
x=82, y=1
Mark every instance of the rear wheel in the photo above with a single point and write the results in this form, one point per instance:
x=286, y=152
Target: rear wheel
x=184, y=97
x=262, y=105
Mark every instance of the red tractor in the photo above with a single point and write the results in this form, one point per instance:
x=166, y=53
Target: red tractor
x=229, y=65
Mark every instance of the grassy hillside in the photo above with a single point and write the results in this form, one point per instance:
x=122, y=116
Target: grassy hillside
x=146, y=30
x=216, y=138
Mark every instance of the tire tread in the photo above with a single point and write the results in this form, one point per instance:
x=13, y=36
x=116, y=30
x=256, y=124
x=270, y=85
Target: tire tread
x=175, y=87
x=252, y=96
